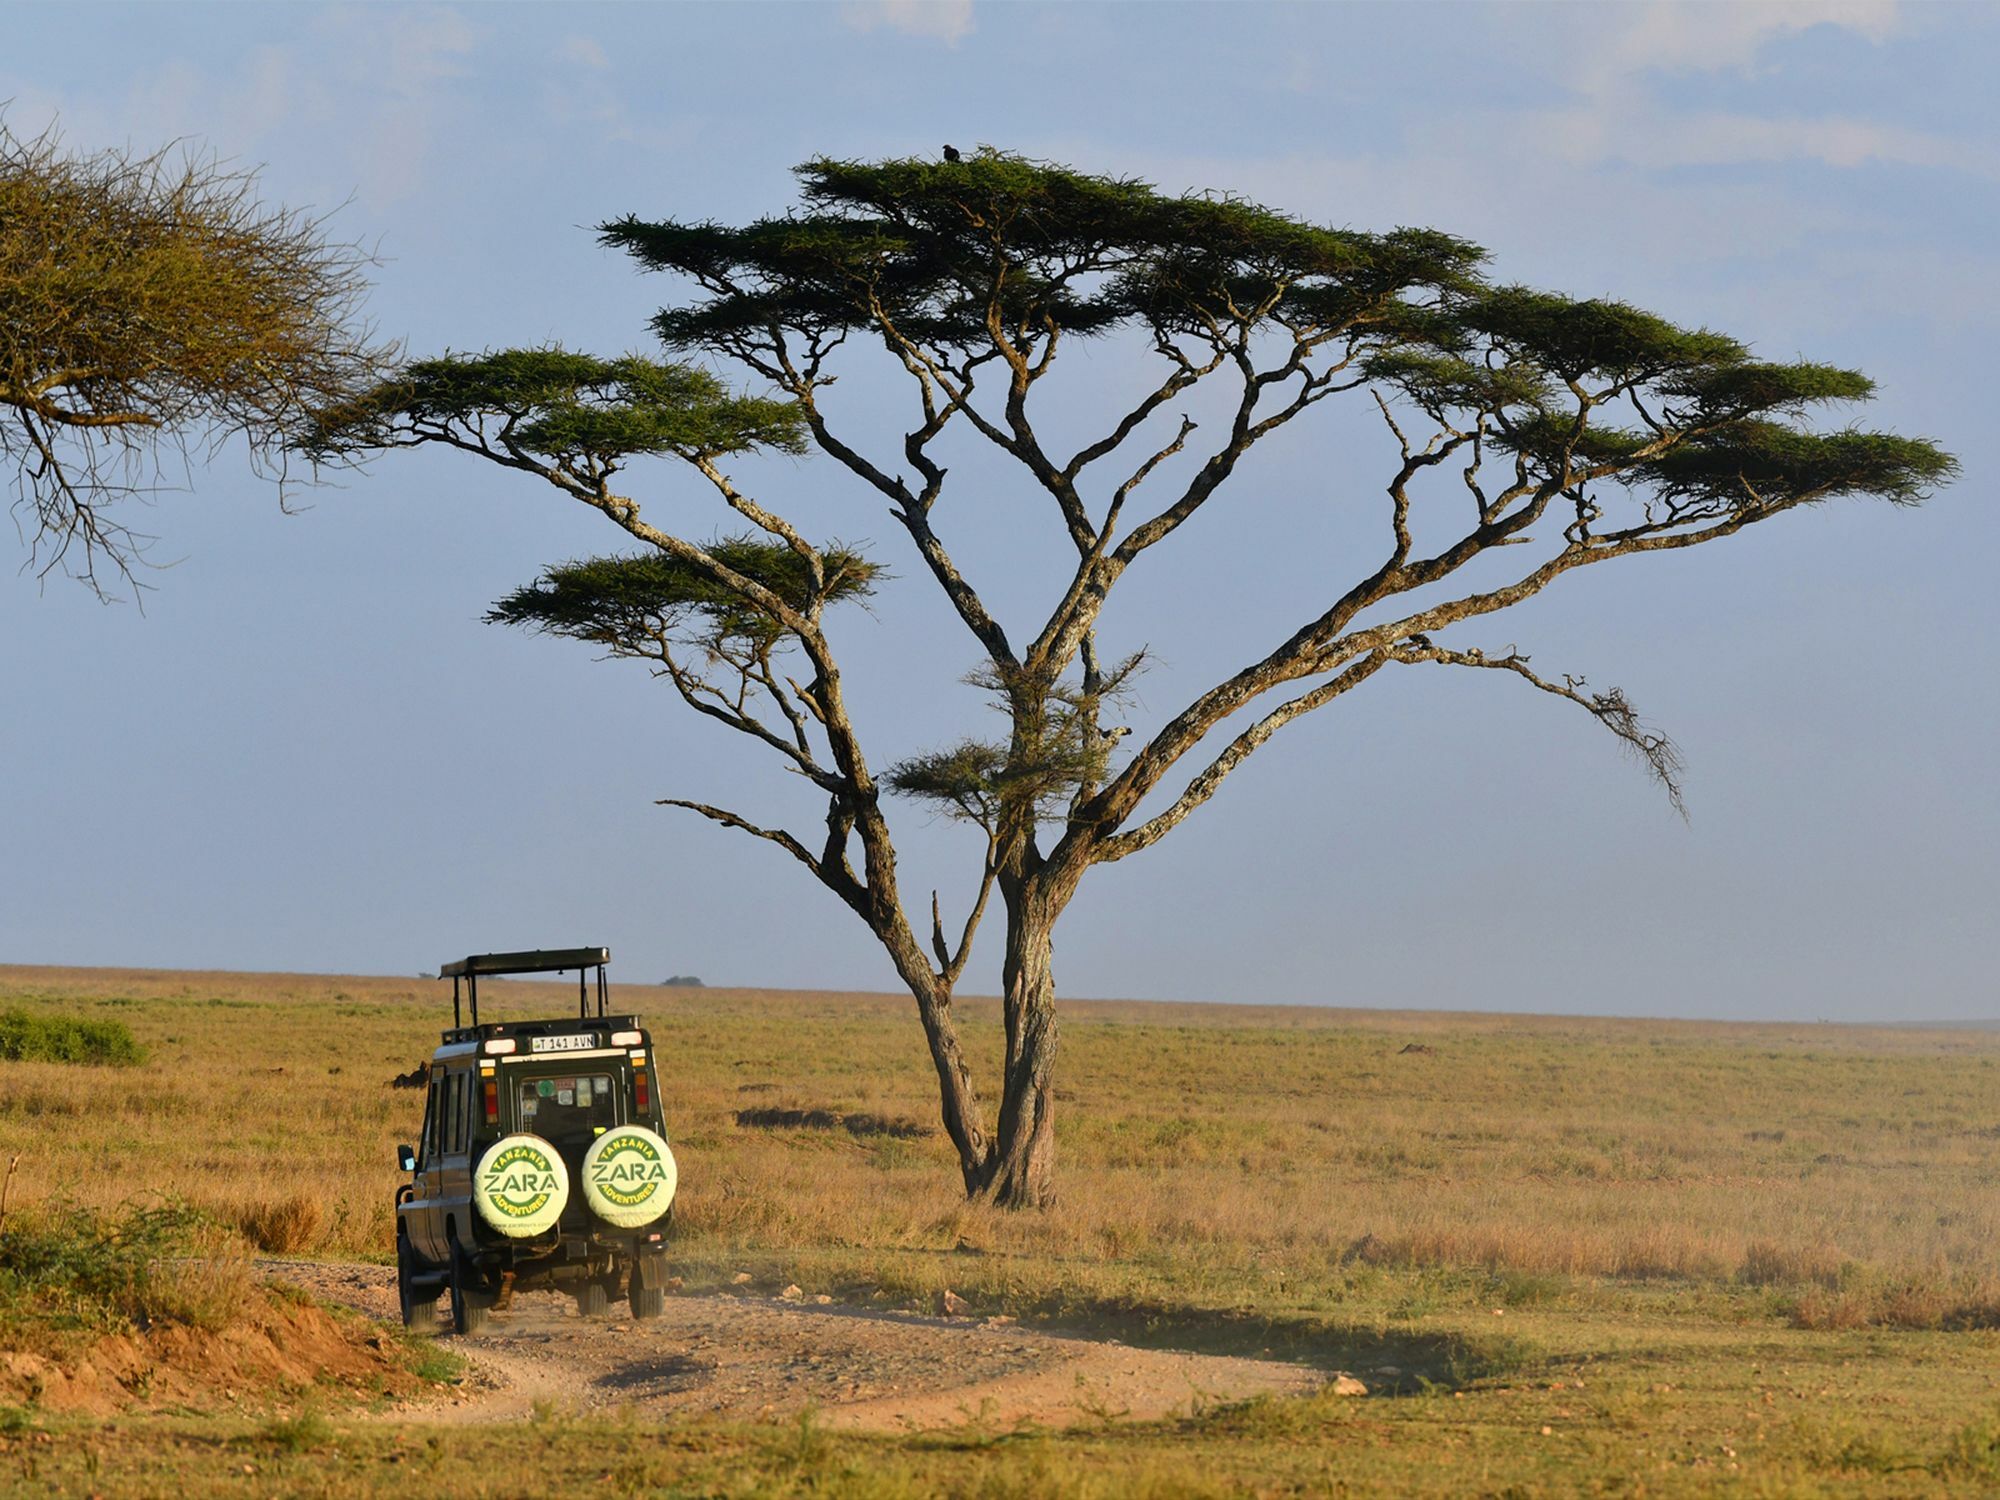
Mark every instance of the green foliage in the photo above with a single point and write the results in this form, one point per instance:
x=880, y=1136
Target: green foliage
x=968, y=778
x=1441, y=382
x=630, y=603
x=956, y=255
x=975, y=780
x=1747, y=388
x=562, y=405
x=65, y=1267
x=1574, y=339
x=1056, y=751
x=937, y=245
x=431, y=1362
x=28, y=1037
x=1762, y=464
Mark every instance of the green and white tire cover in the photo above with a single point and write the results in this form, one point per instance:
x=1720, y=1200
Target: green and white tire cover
x=629, y=1177
x=521, y=1186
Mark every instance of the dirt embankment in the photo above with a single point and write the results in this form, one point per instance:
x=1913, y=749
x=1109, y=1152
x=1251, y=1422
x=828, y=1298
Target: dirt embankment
x=277, y=1345
x=752, y=1357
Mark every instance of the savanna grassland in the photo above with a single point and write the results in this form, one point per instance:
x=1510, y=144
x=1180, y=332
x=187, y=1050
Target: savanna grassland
x=1567, y=1255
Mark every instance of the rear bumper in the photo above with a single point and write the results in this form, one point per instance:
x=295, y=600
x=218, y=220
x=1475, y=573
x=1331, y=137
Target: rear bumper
x=566, y=1246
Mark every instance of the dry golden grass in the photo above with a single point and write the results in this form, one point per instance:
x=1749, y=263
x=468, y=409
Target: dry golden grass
x=1211, y=1155
x=1605, y=1257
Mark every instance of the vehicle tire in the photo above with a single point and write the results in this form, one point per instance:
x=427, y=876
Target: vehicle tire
x=648, y=1301
x=419, y=1305
x=470, y=1302
x=593, y=1300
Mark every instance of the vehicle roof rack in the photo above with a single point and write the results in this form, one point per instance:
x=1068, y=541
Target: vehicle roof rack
x=534, y=961
x=466, y=971
x=487, y=1030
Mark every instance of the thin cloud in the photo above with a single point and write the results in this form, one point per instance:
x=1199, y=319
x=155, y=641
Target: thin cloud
x=1678, y=36
x=1620, y=119
x=585, y=52
x=1636, y=132
x=946, y=21
x=409, y=65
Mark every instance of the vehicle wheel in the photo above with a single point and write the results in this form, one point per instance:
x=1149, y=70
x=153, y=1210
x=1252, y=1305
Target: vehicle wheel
x=470, y=1302
x=593, y=1300
x=648, y=1301
x=420, y=1307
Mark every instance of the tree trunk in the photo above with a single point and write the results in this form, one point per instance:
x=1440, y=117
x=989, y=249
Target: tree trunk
x=1020, y=1169
x=964, y=1120
x=1014, y=1165
x=958, y=1101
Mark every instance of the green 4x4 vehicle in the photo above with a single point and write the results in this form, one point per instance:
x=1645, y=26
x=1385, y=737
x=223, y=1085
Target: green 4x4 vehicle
x=543, y=1160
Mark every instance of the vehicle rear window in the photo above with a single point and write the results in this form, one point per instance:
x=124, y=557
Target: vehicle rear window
x=566, y=1105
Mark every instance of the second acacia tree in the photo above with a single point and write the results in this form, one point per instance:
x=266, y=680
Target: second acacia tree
x=1535, y=432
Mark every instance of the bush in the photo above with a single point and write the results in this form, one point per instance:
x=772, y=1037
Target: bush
x=64, y=1267
x=27, y=1037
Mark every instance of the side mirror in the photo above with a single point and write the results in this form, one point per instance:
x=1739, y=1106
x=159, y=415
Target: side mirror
x=406, y=1158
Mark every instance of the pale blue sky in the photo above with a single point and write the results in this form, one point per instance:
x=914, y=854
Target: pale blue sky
x=309, y=753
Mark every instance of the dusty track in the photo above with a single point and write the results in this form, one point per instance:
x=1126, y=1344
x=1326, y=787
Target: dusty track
x=755, y=1357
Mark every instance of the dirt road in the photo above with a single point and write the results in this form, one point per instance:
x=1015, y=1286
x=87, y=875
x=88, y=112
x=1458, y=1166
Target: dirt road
x=758, y=1357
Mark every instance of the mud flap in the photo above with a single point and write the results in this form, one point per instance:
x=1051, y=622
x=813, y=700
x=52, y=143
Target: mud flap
x=649, y=1270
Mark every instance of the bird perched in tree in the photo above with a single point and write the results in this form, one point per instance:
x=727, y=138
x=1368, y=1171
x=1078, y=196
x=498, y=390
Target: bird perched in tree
x=951, y=153
x=1113, y=735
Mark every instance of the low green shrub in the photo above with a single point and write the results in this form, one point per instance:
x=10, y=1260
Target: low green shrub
x=28, y=1037
x=65, y=1268
x=299, y=1433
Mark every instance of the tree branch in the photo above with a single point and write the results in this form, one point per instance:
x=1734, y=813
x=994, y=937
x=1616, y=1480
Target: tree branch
x=1205, y=785
x=729, y=819
x=1611, y=708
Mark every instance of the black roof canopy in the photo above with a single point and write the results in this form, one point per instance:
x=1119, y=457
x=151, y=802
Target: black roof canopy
x=534, y=961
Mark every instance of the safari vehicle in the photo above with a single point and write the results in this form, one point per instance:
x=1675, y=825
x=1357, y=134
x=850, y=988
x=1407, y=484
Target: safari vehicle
x=543, y=1160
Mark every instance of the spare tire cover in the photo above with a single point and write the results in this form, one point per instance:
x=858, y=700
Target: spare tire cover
x=521, y=1186
x=629, y=1176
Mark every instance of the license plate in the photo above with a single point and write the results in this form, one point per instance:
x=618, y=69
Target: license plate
x=562, y=1043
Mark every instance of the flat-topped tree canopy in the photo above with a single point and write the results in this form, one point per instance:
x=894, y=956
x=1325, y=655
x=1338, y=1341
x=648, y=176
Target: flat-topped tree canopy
x=554, y=406
x=939, y=247
x=997, y=257
x=533, y=961
x=630, y=603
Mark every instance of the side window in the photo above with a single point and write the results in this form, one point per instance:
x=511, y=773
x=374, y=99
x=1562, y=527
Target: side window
x=454, y=1116
x=427, y=1143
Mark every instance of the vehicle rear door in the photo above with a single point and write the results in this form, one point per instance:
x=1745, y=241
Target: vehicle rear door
x=569, y=1102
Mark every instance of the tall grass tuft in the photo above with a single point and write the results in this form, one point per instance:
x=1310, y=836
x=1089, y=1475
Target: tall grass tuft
x=282, y=1226
x=28, y=1037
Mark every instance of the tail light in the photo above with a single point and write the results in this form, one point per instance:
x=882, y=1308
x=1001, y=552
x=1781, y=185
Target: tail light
x=492, y=1100
x=642, y=1090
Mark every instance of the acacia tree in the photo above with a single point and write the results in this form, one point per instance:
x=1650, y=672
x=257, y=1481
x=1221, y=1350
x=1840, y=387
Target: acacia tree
x=1561, y=434
x=150, y=305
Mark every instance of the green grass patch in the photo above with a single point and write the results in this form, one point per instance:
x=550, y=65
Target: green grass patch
x=28, y=1037
x=431, y=1362
x=301, y=1432
x=65, y=1269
